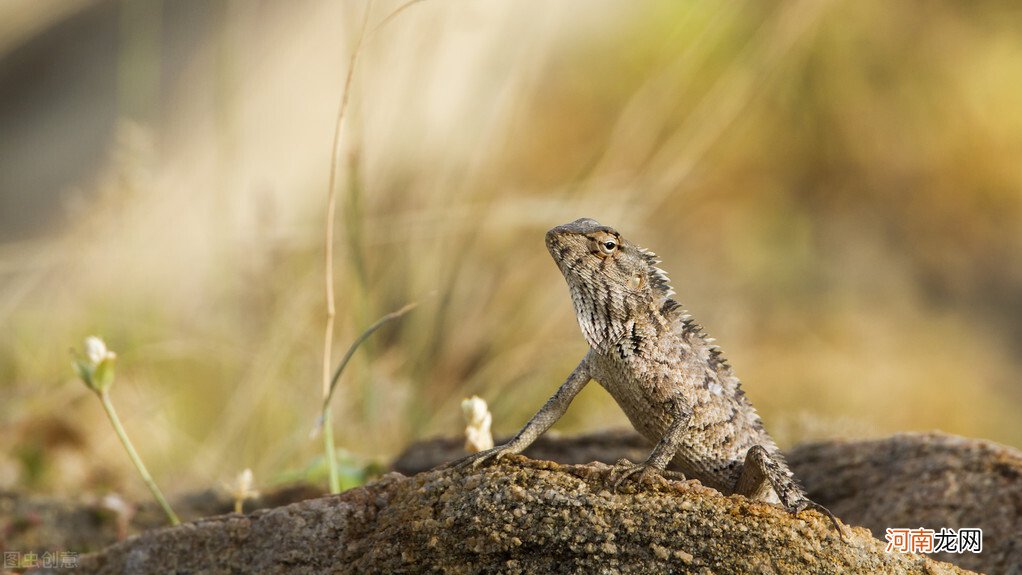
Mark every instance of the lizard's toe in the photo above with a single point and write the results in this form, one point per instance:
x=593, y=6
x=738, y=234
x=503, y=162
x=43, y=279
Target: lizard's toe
x=627, y=470
x=803, y=504
x=474, y=460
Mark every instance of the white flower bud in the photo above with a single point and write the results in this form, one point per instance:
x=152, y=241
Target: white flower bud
x=96, y=367
x=241, y=489
x=95, y=350
x=477, y=433
x=474, y=408
x=245, y=481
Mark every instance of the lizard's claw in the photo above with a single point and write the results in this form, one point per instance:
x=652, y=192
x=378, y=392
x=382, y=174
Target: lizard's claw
x=474, y=460
x=629, y=469
x=803, y=504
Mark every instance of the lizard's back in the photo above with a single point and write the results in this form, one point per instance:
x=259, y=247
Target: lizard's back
x=723, y=425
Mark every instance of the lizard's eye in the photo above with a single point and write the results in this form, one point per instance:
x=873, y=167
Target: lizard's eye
x=608, y=246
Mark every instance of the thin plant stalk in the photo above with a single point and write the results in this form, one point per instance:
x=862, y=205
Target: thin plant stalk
x=328, y=444
x=108, y=406
x=331, y=310
x=331, y=451
x=354, y=346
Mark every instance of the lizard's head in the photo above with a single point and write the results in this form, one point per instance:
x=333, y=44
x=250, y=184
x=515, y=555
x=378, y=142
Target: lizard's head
x=612, y=280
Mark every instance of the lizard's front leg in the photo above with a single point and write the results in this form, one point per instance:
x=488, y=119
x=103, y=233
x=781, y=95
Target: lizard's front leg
x=664, y=451
x=551, y=411
x=761, y=472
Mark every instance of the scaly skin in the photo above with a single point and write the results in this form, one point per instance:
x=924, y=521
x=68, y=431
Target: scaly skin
x=671, y=382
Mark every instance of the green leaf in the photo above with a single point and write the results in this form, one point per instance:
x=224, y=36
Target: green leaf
x=103, y=376
x=353, y=470
x=84, y=371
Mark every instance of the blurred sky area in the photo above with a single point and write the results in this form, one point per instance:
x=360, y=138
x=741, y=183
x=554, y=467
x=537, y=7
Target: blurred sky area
x=835, y=188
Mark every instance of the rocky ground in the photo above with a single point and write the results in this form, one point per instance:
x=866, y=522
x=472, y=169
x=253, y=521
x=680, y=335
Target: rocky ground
x=532, y=515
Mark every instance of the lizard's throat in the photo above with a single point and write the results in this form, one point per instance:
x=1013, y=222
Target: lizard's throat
x=601, y=314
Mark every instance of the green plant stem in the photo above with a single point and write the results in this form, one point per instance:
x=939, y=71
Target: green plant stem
x=108, y=406
x=335, y=153
x=328, y=338
x=351, y=351
x=331, y=452
x=325, y=417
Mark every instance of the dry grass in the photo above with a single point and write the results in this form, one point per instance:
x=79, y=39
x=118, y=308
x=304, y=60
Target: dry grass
x=833, y=186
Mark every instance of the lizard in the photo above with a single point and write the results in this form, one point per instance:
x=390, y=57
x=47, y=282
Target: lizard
x=666, y=374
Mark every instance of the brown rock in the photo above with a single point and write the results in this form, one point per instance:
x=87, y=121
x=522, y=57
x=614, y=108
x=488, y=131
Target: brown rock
x=930, y=480
x=41, y=524
x=910, y=480
x=521, y=516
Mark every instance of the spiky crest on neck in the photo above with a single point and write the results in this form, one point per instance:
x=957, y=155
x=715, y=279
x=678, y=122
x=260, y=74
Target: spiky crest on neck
x=658, y=279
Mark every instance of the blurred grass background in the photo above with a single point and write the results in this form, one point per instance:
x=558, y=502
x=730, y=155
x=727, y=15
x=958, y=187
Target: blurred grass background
x=834, y=187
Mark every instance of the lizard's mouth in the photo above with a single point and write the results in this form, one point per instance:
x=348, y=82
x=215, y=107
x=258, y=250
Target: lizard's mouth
x=552, y=241
x=558, y=249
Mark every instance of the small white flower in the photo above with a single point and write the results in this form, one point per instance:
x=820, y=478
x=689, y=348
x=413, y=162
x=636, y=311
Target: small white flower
x=475, y=409
x=477, y=433
x=241, y=489
x=123, y=513
x=95, y=350
x=96, y=366
x=115, y=503
x=245, y=481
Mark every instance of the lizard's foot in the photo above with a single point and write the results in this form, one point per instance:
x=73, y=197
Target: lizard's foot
x=629, y=469
x=763, y=469
x=474, y=460
x=803, y=504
